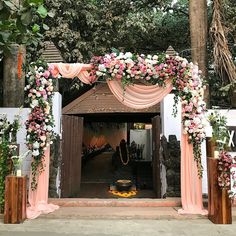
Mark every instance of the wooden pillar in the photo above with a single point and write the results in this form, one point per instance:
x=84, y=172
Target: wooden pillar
x=15, y=199
x=210, y=147
x=219, y=204
x=13, y=87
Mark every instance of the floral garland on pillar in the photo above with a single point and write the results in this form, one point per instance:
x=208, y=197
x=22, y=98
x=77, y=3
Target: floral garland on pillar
x=156, y=69
x=40, y=122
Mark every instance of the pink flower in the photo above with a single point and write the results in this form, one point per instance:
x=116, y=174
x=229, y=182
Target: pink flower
x=46, y=74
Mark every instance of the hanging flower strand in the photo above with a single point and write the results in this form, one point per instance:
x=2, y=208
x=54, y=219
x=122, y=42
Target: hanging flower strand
x=40, y=121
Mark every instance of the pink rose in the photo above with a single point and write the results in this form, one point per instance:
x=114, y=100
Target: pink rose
x=46, y=74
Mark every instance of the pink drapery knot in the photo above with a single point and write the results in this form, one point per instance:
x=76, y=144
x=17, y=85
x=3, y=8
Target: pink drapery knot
x=71, y=71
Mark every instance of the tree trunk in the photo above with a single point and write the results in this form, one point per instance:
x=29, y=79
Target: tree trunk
x=13, y=85
x=198, y=33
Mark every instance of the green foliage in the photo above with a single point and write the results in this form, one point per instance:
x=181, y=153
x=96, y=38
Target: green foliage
x=4, y=150
x=230, y=21
x=17, y=22
x=219, y=129
x=81, y=28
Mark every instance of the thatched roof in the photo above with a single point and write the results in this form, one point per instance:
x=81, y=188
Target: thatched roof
x=101, y=100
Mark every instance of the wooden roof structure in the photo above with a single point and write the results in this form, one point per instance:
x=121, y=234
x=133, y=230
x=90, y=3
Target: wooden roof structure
x=101, y=100
x=51, y=53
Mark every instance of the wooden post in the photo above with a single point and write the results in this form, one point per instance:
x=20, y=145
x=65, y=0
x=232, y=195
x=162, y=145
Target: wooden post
x=219, y=204
x=15, y=199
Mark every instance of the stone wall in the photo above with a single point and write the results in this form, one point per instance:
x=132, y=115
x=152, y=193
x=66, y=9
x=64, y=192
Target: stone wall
x=171, y=160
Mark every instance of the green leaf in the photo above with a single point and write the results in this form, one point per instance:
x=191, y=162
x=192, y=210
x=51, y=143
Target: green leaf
x=42, y=11
x=20, y=26
x=5, y=36
x=35, y=2
x=26, y=18
x=51, y=14
x=45, y=27
x=1, y=5
x=10, y=5
x=35, y=28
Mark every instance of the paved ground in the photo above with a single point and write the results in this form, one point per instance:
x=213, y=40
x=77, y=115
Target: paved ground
x=115, y=227
x=118, y=221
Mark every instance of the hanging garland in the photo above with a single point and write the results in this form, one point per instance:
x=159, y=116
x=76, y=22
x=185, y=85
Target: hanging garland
x=187, y=86
x=40, y=122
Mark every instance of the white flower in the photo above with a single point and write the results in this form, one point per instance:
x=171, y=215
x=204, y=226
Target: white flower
x=50, y=88
x=196, y=120
x=43, y=81
x=108, y=56
x=49, y=128
x=35, y=152
x=155, y=57
x=129, y=61
x=199, y=109
x=34, y=103
x=128, y=54
x=186, y=90
x=187, y=123
x=43, y=138
x=99, y=73
x=102, y=68
x=36, y=145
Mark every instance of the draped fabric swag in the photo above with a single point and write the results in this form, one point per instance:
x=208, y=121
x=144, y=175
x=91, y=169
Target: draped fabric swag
x=38, y=199
x=138, y=97
x=71, y=71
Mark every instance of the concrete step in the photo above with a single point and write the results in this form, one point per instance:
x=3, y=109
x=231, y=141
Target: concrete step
x=120, y=202
x=149, y=213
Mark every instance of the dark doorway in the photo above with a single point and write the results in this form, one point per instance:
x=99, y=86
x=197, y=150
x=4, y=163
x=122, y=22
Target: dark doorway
x=90, y=172
x=100, y=169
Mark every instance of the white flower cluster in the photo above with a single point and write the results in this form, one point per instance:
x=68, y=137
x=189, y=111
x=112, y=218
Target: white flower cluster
x=40, y=121
x=193, y=107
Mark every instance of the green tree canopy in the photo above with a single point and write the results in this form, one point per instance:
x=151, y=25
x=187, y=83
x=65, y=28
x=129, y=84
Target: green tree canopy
x=83, y=28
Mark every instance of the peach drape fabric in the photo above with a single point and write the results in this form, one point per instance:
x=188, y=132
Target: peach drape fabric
x=139, y=96
x=71, y=71
x=38, y=199
x=191, y=184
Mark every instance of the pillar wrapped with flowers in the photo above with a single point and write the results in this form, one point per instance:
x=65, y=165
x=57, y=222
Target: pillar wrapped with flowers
x=219, y=163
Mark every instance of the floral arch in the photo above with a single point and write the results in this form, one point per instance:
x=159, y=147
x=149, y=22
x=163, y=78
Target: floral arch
x=158, y=74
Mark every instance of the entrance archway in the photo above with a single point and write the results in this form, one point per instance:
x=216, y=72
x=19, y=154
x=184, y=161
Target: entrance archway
x=188, y=86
